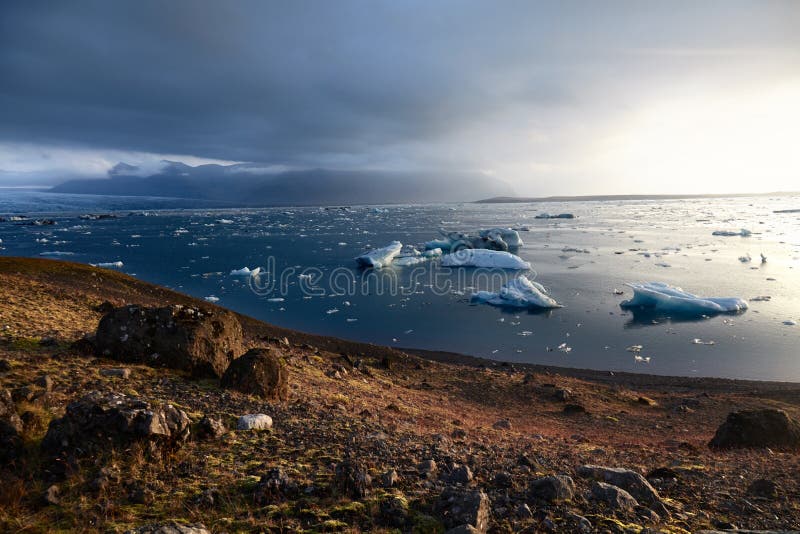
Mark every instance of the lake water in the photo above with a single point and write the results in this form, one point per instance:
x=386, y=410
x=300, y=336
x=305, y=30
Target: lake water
x=178, y=245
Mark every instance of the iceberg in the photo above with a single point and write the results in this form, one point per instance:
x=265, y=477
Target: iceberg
x=507, y=236
x=108, y=265
x=380, y=257
x=412, y=256
x=518, y=293
x=211, y=298
x=492, y=259
x=666, y=298
x=731, y=233
x=246, y=271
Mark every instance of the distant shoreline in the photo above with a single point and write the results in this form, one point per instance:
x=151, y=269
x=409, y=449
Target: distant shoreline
x=601, y=198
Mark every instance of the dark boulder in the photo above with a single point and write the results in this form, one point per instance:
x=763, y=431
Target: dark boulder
x=758, y=428
x=97, y=422
x=10, y=428
x=352, y=479
x=260, y=373
x=552, y=489
x=457, y=507
x=202, y=341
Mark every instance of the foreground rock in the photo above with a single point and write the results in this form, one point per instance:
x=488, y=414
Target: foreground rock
x=460, y=508
x=10, y=428
x=254, y=421
x=758, y=428
x=97, y=422
x=170, y=528
x=260, y=373
x=201, y=341
x=552, y=489
x=630, y=481
x=614, y=497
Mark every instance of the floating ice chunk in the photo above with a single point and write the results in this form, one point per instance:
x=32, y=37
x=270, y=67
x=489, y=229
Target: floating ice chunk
x=508, y=236
x=745, y=259
x=276, y=299
x=246, y=271
x=565, y=348
x=761, y=298
x=380, y=257
x=224, y=221
x=413, y=256
x=731, y=233
x=441, y=244
x=641, y=359
x=698, y=341
x=493, y=259
x=518, y=293
x=211, y=298
x=56, y=253
x=108, y=265
x=575, y=249
x=558, y=216
x=665, y=298
x=332, y=311
x=790, y=322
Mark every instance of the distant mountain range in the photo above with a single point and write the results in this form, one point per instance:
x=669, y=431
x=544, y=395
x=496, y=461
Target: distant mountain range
x=249, y=185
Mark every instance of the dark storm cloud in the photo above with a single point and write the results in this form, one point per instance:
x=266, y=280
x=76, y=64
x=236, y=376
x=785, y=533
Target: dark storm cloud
x=311, y=83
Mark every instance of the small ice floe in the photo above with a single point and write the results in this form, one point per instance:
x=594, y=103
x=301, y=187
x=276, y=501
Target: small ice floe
x=492, y=259
x=56, y=253
x=575, y=249
x=556, y=216
x=380, y=257
x=731, y=233
x=641, y=359
x=332, y=311
x=618, y=291
x=211, y=298
x=108, y=265
x=412, y=256
x=518, y=293
x=745, y=259
x=790, y=322
x=246, y=271
x=565, y=348
x=761, y=298
x=666, y=298
x=763, y=258
x=224, y=221
x=276, y=299
x=351, y=320
x=698, y=341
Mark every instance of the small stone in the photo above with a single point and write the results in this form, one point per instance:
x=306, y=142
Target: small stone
x=630, y=481
x=582, y=524
x=646, y=401
x=459, y=433
x=390, y=478
x=524, y=511
x=460, y=475
x=45, y=382
x=211, y=428
x=458, y=507
x=53, y=495
x=553, y=488
x=352, y=479
x=255, y=421
x=502, y=424
x=427, y=467
x=394, y=511
x=121, y=372
x=503, y=480
x=170, y=528
x=563, y=394
x=763, y=488
x=614, y=497
x=5, y=366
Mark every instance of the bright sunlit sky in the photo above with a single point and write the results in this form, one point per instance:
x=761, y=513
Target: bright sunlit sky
x=564, y=98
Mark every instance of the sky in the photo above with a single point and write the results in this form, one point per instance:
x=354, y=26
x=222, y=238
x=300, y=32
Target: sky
x=554, y=98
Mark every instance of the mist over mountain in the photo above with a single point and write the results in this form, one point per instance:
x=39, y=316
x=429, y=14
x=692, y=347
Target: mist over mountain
x=251, y=185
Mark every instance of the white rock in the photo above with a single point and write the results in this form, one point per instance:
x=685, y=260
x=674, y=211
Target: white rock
x=254, y=421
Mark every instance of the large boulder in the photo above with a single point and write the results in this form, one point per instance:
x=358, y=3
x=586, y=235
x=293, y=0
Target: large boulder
x=758, y=428
x=260, y=373
x=10, y=428
x=202, y=341
x=99, y=421
x=552, y=489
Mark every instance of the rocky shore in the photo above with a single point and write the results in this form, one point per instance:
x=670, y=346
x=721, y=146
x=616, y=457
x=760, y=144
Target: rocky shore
x=125, y=407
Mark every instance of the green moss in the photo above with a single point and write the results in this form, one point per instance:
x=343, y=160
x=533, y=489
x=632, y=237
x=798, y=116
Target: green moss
x=425, y=524
x=25, y=343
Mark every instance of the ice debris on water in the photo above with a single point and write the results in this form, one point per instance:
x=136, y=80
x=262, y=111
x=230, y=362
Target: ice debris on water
x=556, y=216
x=745, y=259
x=731, y=233
x=698, y=341
x=518, y=293
x=493, y=239
x=246, y=271
x=666, y=298
x=380, y=257
x=108, y=265
x=411, y=256
x=211, y=298
x=485, y=258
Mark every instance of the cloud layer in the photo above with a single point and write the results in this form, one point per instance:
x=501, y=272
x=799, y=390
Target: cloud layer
x=521, y=89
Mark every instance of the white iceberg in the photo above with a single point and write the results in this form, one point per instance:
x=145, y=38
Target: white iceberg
x=666, y=298
x=380, y=257
x=492, y=259
x=412, y=256
x=518, y=293
x=211, y=298
x=503, y=235
x=730, y=233
x=493, y=238
x=108, y=265
x=246, y=271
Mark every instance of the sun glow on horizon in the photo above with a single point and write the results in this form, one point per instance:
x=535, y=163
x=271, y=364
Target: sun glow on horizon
x=748, y=141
